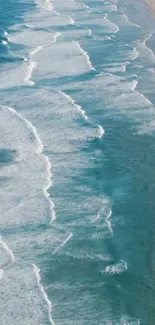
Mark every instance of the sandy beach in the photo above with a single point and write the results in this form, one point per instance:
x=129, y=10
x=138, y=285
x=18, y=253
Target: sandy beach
x=151, y=6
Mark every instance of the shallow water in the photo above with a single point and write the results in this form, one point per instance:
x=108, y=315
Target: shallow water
x=77, y=163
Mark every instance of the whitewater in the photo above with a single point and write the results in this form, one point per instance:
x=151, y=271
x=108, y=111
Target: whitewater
x=77, y=119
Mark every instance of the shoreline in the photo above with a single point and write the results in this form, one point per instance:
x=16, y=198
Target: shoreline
x=150, y=4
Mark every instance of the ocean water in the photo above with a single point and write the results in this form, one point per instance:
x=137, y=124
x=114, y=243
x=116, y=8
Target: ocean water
x=77, y=131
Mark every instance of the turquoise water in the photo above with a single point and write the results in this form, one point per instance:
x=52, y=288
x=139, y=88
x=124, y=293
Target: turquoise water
x=77, y=163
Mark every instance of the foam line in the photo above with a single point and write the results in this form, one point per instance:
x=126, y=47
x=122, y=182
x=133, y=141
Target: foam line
x=1, y=273
x=117, y=28
x=28, y=26
x=49, y=6
x=56, y=36
x=101, y=131
x=85, y=6
x=29, y=125
x=46, y=187
x=5, y=43
x=97, y=217
x=136, y=54
x=43, y=292
x=109, y=223
x=31, y=65
x=39, y=150
x=135, y=82
x=89, y=32
x=7, y=249
x=45, y=5
x=64, y=242
x=78, y=107
x=86, y=56
x=146, y=39
x=71, y=20
x=57, y=13
x=128, y=21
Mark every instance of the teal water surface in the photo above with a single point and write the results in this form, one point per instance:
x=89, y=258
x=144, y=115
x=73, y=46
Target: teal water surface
x=77, y=163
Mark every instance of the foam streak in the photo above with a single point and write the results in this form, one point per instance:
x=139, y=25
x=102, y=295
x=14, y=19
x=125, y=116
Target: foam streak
x=64, y=242
x=8, y=250
x=31, y=65
x=78, y=107
x=86, y=56
x=44, y=294
x=101, y=131
x=109, y=223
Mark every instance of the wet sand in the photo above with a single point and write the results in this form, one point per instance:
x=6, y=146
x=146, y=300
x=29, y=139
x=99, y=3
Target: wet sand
x=151, y=6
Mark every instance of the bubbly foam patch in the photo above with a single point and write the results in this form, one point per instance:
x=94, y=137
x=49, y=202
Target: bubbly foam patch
x=60, y=60
x=117, y=268
x=45, y=4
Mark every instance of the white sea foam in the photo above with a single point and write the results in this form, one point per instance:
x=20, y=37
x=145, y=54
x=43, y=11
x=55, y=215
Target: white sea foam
x=89, y=32
x=106, y=26
x=61, y=59
x=101, y=131
x=108, y=222
x=146, y=54
x=28, y=25
x=134, y=85
x=78, y=107
x=109, y=6
x=57, y=13
x=31, y=65
x=129, y=22
x=102, y=218
x=45, y=4
x=135, y=54
x=78, y=285
x=98, y=235
x=7, y=249
x=43, y=292
x=126, y=320
x=5, y=33
x=30, y=126
x=4, y=42
x=85, y=6
x=116, y=29
x=86, y=255
x=39, y=150
x=116, y=268
x=45, y=190
x=1, y=273
x=86, y=56
x=71, y=20
x=64, y=242
x=116, y=68
x=56, y=36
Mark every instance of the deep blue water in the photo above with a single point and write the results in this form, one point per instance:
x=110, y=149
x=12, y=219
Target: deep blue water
x=77, y=163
